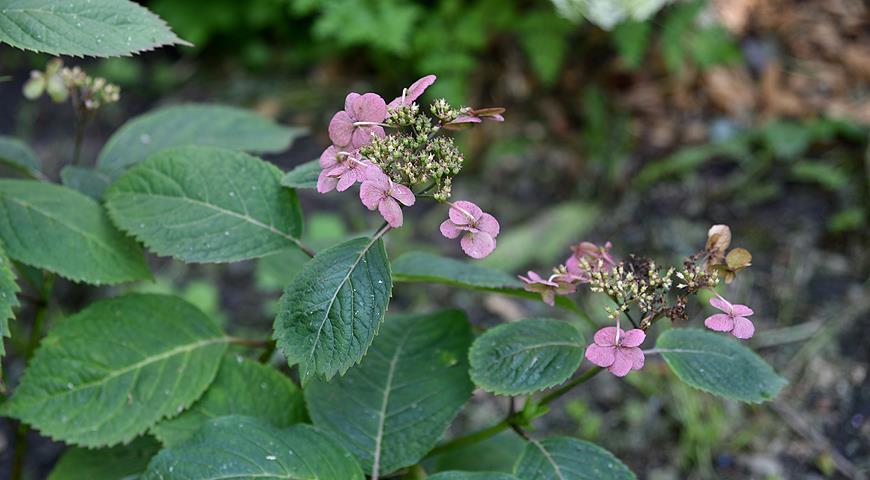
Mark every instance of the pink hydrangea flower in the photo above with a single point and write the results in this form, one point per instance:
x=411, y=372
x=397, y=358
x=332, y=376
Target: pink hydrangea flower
x=480, y=228
x=597, y=257
x=412, y=93
x=548, y=287
x=379, y=192
x=341, y=169
x=733, y=320
x=617, y=350
x=359, y=120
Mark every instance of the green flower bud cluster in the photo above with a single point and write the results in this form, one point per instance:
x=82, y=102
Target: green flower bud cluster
x=415, y=155
x=60, y=82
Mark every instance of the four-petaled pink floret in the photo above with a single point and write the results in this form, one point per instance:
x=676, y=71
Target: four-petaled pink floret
x=478, y=228
x=412, y=93
x=361, y=118
x=548, y=287
x=733, y=320
x=341, y=169
x=617, y=350
x=379, y=192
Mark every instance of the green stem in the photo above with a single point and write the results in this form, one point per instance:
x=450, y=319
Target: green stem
x=268, y=352
x=250, y=342
x=511, y=421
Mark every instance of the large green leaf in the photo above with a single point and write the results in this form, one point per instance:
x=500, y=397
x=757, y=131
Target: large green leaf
x=242, y=387
x=16, y=154
x=245, y=447
x=107, y=374
x=203, y=124
x=122, y=462
x=331, y=312
x=428, y=267
x=391, y=409
x=526, y=356
x=472, y=476
x=719, y=365
x=8, y=297
x=98, y=28
x=206, y=204
x=303, y=176
x=565, y=458
x=62, y=231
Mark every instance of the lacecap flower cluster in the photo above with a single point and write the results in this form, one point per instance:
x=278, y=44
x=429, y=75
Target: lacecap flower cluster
x=397, y=153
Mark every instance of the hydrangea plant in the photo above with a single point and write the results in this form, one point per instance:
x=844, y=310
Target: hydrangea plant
x=149, y=385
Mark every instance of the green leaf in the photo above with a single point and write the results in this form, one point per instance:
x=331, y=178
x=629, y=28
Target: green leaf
x=719, y=365
x=246, y=447
x=242, y=387
x=495, y=454
x=428, y=267
x=543, y=35
x=391, y=409
x=97, y=28
x=303, y=176
x=526, y=356
x=631, y=40
x=57, y=229
x=8, y=297
x=123, y=462
x=206, y=204
x=17, y=155
x=110, y=372
x=565, y=458
x=331, y=312
x=454, y=475
x=93, y=182
x=195, y=124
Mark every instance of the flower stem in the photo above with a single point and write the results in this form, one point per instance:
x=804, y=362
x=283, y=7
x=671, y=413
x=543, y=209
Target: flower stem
x=512, y=420
x=250, y=342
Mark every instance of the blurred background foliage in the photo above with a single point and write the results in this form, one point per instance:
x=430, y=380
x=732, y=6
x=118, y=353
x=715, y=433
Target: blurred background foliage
x=639, y=122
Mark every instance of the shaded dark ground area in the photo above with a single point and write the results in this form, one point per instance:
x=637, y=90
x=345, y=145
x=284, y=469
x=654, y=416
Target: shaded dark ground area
x=774, y=145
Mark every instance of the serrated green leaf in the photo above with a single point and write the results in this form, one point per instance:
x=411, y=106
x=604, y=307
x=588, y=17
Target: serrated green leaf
x=8, y=298
x=391, y=409
x=97, y=28
x=303, y=176
x=331, y=312
x=93, y=182
x=565, y=458
x=194, y=124
x=472, y=476
x=719, y=365
x=206, y=204
x=242, y=387
x=123, y=462
x=245, y=447
x=428, y=267
x=62, y=231
x=16, y=154
x=110, y=372
x=526, y=356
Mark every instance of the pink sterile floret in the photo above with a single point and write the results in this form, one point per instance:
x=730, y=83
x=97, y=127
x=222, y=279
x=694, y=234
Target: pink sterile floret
x=617, y=350
x=412, y=93
x=478, y=229
x=379, y=192
x=598, y=258
x=548, y=287
x=341, y=169
x=359, y=120
x=733, y=320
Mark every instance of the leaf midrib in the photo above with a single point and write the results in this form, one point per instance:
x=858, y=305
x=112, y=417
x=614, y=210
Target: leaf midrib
x=140, y=364
x=382, y=417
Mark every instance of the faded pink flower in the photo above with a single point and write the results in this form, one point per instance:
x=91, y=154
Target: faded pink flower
x=476, y=116
x=379, y=192
x=480, y=228
x=548, y=288
x=599, y=258
x=412, y=93
x=359, y=120
x=617, y=350
x=341, y=169
x=733, y=320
